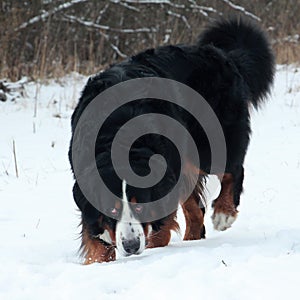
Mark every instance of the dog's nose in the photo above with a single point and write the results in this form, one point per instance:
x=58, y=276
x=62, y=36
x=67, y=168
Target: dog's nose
x=131, y=246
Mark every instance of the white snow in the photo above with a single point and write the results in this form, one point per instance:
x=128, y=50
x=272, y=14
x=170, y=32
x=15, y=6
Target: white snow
x=257, y=258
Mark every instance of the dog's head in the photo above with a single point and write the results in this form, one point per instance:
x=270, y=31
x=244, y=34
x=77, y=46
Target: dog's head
x=129, y=210
x=122, y=223
x=124, y=215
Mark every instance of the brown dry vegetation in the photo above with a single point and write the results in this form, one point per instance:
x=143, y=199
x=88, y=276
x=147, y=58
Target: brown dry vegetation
x=87, y=35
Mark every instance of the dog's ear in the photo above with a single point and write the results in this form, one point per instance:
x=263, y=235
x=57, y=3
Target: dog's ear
x=89, y=213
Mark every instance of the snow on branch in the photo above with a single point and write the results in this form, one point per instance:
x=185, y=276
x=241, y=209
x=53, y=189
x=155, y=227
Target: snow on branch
x=118, y=51
x=46, y=14
x=102, y=12
x=241, y=9
x=73, y=19
x=182, y=17
x=93, y=25
x=202, y=9
x=108, y=28
x=126, y=5
x=167, y=2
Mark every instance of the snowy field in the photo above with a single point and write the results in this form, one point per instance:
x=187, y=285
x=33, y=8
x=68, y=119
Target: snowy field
x=258, y=258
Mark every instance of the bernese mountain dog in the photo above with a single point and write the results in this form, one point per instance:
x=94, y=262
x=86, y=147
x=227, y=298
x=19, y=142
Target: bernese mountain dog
x=232, y=67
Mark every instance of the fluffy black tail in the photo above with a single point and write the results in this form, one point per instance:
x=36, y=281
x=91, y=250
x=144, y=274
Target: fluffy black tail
x=247, y=45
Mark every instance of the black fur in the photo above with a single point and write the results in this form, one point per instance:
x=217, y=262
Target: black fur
x=231, y=66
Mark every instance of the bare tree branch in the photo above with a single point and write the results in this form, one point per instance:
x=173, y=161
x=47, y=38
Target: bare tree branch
x=15, y=159
x=130, y=7
x=115, y=48
x=182, y=17
x=46, y=14
x=108, y=28
x=167, y=2
x=242, y=9
x=106, y=37
x=73, y=19
x=102, y=12
x=202, y=9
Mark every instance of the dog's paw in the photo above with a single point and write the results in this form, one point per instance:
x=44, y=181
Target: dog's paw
x=223, y=221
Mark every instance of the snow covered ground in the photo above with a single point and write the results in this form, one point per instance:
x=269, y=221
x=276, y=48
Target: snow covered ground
x=258, y=258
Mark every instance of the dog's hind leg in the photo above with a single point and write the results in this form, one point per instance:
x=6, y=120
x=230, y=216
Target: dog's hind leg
x=225, y=206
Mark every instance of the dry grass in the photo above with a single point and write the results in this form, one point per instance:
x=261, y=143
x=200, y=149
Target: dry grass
x=287, y=53
x=59, y=44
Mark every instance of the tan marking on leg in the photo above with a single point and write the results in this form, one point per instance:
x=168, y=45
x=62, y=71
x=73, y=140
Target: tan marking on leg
x=93, y=250
x=162, y=237
x=194, y=216
x=194, y=219
x=225, y=211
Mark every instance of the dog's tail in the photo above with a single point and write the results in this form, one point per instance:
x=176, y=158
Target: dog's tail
x=247, y=45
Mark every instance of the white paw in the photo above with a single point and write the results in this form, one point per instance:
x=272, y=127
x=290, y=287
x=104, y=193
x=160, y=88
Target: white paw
x=222, y=221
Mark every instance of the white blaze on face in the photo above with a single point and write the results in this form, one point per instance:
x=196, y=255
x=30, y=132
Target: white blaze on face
x=130, y=237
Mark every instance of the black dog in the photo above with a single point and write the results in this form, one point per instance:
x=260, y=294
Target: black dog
x=231, y=66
